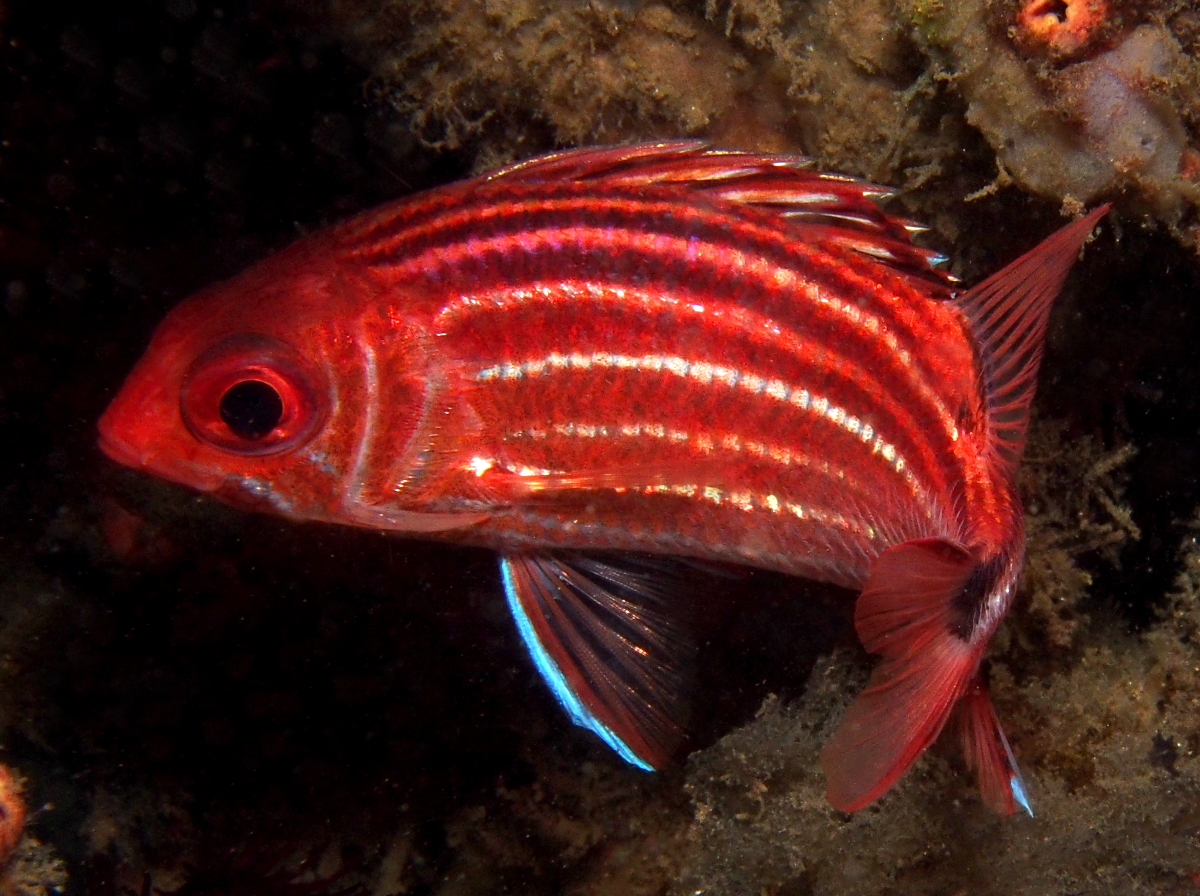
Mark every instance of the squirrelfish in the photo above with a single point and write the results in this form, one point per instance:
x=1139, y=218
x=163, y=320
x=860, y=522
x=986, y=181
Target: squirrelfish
x=663, y=349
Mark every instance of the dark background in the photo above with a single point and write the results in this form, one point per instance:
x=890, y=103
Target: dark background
x=240, y=688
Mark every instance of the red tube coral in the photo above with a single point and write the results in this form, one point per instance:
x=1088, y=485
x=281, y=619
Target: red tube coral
x=12, y=814
x=1061, y=29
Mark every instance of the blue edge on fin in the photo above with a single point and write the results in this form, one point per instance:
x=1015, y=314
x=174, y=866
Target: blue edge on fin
x=1018, y=792
x=584, y=718
x=554, y=677
x=1015, y=784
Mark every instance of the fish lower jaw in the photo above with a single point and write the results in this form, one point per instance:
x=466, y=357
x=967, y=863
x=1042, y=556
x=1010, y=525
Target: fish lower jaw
x=121, y=452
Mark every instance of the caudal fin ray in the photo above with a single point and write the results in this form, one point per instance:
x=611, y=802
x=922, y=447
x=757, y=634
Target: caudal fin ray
x=907, y=612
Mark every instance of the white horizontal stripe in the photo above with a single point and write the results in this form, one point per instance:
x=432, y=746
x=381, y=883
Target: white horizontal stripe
x=706, y=443
x=742, y=321
x=705, y=373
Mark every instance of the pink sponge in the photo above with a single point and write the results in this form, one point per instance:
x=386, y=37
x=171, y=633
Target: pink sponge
x=1123, y=119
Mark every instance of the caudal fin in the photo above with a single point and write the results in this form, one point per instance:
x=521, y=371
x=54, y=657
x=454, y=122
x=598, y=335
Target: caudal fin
x=920, y=606
x=910, y=612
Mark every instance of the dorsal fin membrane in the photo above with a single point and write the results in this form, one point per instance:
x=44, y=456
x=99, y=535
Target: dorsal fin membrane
x=1008, y=312
x=593, y=161
x=819, y=207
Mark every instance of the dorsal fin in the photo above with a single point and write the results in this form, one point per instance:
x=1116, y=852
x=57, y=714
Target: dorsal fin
x=819, y=207
x=1008, y=312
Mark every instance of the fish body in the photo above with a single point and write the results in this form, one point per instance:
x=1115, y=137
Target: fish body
x=662, y=349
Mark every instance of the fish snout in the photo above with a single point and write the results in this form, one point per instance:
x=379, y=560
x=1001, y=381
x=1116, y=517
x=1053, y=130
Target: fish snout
x=133, y=423
x=118, y=450
x=142, y=429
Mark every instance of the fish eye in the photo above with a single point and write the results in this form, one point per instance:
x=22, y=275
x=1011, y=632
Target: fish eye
x=252, y=395
x=251, y=409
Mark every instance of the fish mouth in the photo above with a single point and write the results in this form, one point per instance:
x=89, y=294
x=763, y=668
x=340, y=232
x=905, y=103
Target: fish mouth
x=126, y=429
x=122, y=452
x=145, y=459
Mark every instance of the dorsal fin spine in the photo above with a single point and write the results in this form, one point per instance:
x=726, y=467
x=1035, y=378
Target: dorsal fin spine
x=820, y=208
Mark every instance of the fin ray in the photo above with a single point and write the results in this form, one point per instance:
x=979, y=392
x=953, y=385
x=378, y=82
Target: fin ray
x=987, y=751
x=817, y=207
x=566, y=486
x=600, y=638
x=905, y=613
x=1008, y=312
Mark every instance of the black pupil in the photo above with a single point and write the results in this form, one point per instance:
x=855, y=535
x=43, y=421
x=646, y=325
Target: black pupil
x=251, y=409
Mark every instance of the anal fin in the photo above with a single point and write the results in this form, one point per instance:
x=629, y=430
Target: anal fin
x=609, y=649
x=987, y=751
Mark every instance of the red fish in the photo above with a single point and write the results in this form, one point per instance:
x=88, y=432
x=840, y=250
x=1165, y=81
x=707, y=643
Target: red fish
x=662, y=349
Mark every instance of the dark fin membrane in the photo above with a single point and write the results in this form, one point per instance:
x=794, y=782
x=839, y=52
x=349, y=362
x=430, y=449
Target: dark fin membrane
x=603, y=637
x=987, y=751
x=907, y=612
x=1008, y=312
x=819, y=207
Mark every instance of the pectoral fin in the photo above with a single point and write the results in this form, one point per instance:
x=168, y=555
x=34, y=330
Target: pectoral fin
x=503, y=485
x=604, y=642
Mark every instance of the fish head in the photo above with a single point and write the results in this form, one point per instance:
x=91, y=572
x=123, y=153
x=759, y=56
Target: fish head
x=236, y=395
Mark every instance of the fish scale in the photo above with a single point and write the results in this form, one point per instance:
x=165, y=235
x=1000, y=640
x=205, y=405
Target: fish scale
x=785, y=351
x=761, y=395
x=663, y=349
x=829, y=329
